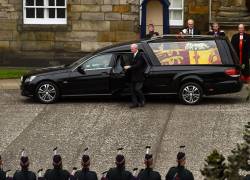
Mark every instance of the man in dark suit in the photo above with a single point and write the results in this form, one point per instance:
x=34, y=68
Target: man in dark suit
x=216, y=31
x=136, y=72
x=190, y=30
x=241, y=44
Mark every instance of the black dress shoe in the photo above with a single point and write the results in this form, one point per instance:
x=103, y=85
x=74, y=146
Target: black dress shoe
x=142, y=104
x=134, y=106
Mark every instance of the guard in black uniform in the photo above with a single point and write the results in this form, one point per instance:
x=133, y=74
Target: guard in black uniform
x=57, y=173
x=148, y=173
x=119, y=173
x=85, y=173
x=180, y=172
x=2, y=173
x=24, y=174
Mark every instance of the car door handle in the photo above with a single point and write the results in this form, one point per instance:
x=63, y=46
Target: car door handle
x=105, y=73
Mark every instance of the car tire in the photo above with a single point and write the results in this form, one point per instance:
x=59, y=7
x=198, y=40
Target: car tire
x=191, y=93
x=47, y=92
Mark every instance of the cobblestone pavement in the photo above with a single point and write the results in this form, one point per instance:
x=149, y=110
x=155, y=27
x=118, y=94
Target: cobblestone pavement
x=105, y=124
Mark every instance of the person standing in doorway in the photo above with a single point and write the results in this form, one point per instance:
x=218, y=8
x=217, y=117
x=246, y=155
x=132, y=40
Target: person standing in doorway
x=151, y=32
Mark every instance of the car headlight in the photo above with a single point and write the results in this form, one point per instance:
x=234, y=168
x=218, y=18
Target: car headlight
x=21, y=78
x=29, y=79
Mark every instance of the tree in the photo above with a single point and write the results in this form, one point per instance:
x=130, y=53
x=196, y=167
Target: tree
x=217, y=169
x=214, y=167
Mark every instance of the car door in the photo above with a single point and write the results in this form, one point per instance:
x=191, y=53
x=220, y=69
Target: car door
x=91, y=77
x=119, y=81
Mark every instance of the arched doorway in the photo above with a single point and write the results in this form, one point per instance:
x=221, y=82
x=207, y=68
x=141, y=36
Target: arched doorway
x=157, y=13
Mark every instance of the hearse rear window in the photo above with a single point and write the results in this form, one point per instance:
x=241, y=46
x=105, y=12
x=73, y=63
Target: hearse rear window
x=186, y=53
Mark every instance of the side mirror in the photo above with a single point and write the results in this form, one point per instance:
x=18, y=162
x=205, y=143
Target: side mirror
x=81, y=70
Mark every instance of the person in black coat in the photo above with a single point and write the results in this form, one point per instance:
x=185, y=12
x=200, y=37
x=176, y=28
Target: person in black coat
x=151, y=32
x=119, y=172
x=57, y=172
x=136, y=73
x=241, y=44
x=148, y=173
x=180, y=172
x=215, y=31
x=24, y=173
x=85, y=173
x=191, y=29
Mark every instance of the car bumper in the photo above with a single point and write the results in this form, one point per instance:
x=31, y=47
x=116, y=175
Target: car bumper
x=224, y=87
x=27, y=89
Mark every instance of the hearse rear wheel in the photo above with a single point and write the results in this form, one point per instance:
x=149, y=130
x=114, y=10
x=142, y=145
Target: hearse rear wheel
x=190, y=93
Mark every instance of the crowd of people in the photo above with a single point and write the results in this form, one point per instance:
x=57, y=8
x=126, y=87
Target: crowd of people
x=119, y=172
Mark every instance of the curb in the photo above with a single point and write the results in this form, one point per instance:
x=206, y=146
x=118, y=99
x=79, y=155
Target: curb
x=9, y=83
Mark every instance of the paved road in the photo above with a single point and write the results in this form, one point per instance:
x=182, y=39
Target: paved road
x=105, y=124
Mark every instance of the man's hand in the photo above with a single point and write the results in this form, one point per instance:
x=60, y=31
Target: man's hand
x=126, y=67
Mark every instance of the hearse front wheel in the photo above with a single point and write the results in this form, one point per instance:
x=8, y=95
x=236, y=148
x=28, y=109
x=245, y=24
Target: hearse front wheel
x=47, y=92
x=190, y=93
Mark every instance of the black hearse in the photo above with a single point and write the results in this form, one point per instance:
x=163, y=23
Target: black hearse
x=189, y=67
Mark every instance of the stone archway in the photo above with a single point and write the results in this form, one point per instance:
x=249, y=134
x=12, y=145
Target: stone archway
x=155, y=15
x=165, y=16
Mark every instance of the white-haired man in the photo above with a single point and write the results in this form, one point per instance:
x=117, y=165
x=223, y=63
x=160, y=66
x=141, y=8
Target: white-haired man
x=136, y=73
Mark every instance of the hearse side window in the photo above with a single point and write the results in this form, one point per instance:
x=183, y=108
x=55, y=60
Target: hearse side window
x=186, y=53
x=122, y=59
x=98, y=62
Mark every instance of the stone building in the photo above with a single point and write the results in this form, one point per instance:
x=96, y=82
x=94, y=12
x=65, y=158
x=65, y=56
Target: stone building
x=50, y=32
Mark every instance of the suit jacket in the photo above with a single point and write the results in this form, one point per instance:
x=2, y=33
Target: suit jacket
x=220, y=33
x=195, y=31
x=137, y=69
x=246, y=50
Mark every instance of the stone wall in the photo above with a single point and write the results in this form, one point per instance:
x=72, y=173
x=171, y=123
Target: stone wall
x=92, y=24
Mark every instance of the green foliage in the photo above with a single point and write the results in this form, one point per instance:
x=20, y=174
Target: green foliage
x=216, y=169
x=11, y=73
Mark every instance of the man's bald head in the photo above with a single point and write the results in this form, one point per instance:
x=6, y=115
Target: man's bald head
x=241, y=28
x=134, y=48
x=190, y=23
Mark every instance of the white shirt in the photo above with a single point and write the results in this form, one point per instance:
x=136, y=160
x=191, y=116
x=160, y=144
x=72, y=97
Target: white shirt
x=135, y=53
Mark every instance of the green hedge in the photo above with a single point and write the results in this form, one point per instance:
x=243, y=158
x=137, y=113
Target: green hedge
x=12, y=73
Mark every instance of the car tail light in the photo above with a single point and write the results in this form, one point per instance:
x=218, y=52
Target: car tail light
x=233, y=72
